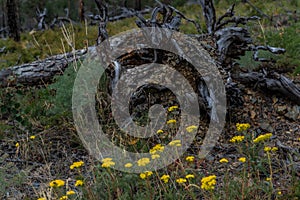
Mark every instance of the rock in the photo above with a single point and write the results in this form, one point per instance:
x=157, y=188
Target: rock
x=281, y=110
x=266, y=126
x=293, y=113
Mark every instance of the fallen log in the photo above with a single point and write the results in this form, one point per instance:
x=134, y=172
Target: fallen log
x=39, y=72
x=272, y=82
x=223, y=49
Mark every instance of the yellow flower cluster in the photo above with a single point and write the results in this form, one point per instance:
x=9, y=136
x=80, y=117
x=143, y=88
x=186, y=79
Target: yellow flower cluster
x=154, y=156
x=156, y=148
x=165, y=178
x=78, y=183
x=159, y=131
x=238, y=138
x=170, y=109
x=57, y=183
x=143, y=161
x=175, y=143
x=128, y=165
x=242, y=159
x=267, y=149
x=191, y=128
x=181, y=180
x=32, y=137
x=146, y=174
x=70, y=192
x=223, y=160
x=242, y=127
x=262, y=137
x=189, y=176
x=76, y=164
x=63, y=198
x=171, y=121
x=209, y=182
x=107, y=162
x=190, y=158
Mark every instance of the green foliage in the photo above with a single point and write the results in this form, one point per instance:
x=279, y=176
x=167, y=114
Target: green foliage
x=63, y=88
x=10, y=181
x=46, y=105
x=288, y=38
x=178, y=3
x=249, y=63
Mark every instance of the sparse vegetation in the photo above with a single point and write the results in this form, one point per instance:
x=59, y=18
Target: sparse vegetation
x=42, y=157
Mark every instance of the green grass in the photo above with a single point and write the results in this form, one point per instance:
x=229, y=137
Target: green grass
x=46, y=113
x=256, y=177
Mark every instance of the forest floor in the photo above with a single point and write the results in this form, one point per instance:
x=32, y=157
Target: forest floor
x=39, y=142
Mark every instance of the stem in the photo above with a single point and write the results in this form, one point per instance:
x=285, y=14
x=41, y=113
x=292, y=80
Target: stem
x=243, y=182
x=271, y=171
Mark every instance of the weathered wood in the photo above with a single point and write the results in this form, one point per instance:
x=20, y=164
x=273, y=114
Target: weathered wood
x=41, y=18
x=272, y=82
x=227, y=43
x=39, y=72
x=13, y=19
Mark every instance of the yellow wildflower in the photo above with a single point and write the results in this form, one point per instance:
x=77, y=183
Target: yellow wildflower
x=143, y=175
x=190, y=176
x=159, y=131
x=175, y=143
x=154, y=156
x=32, y=137
x=152, y=151
x=170, y=109
x=63, y=198
x=190, y=158
x=128, y=165
x=17, y=144
x=78, y=183
x=242, y=159
x=267, y=149
x=238, y=138
x=106, y=160
x=76, y=164
x=242, y=127
x=42, y=198
x=262, y=137
x=143, y=161
x=146, y=174
x=165, y=178
x=268, y=179
x=157, y=147
x=274, y=149
x=209, y=182
x=223, y=160
x=279, y=192
x=70, y=192
x=108, y=164
x=57, y=183
x=191, y=128
x=181, y=180
x=171, y=121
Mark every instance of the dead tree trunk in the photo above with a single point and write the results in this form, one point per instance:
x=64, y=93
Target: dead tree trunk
x=13, y=19
x=39, y=72
x=224, y=43
x=138, y=5
x=81, y=10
